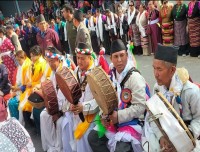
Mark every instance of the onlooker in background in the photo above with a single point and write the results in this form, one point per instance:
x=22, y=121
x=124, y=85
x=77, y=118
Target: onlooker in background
x=54, y=26
x=179, y=15
x=194, y=28
x=14, y=37
x=123, y=26
x=4, y=81
x=92, y=30
x=30, y=36
x=82, y=32
x=35, y=7
x=167, y=23
x=6, y=54
x=62, y=32
x=23, y=25
x=67, y=12
x=153, y=28
x=142, y=22
x=46, y=36
x=134, y=33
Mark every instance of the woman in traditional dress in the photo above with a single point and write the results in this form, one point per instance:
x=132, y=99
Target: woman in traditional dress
x=7, y=55
x=194, y=27
x=167, y=23
x=179, y=15
x=35, y=74
x=134, y=33
x=153, y=28
x=21, y=78
x=142, y=22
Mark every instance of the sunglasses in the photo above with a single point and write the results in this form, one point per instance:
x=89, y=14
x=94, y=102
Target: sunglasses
x=130, y=5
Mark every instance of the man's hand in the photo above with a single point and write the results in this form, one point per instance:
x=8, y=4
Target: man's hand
x=76, y=109
x=29, y=85
x=105, y=120
x=114, y=117
x=165, y=145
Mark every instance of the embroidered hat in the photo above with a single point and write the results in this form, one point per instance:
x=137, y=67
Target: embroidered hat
x=83, y=49
x=117, y=45
x=40, y=18
x=167, y=53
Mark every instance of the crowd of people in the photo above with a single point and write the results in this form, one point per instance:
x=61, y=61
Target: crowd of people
x=34, y=48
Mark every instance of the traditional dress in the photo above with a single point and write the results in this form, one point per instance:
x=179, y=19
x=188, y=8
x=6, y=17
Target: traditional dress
x=194, y=28
x=75, y=132
x=32, y=74
x=6, y=50
x=167, y=25
x=14, y=137
x=142, y=22
x=112, y=22
x=134, y=33
x=180, y=22
x=13, y=103
x=123, y=28
x=51, y=133
x=92, y=29
x=155, y=34
x=102, y=33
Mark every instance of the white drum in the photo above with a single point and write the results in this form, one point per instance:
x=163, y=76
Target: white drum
x=172, y=124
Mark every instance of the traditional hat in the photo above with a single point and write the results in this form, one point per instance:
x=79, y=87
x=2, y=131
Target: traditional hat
x=117, y=45
x=167, y=53
x=40, y=18
x=83, y=48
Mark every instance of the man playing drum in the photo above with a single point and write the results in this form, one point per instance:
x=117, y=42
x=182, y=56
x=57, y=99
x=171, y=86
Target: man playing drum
x=178, y=90
x=131, y=93
x=51, y=133
x=75, y=132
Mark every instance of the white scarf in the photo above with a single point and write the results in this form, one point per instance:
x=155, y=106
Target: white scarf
x=99, y=29
x=113, y=25
x=117, y=80
x=121, y=19
x=138, y=23
x=130, y=16
x=91, y=24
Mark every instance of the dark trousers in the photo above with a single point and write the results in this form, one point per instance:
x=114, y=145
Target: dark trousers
x=100, y=144
x=65, y=47
x=28, y=122
x=183, y=49
x=36, y=116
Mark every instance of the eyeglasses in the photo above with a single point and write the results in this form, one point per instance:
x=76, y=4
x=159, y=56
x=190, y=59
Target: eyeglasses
x=131, y=5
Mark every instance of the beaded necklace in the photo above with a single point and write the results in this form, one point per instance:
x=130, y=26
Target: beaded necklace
x=179, y=8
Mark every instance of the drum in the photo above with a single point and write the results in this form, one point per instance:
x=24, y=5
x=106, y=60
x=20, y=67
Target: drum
x=103, y=90
x=36, y=99
x=50, y=97
x=170, y=123
x=69, y=86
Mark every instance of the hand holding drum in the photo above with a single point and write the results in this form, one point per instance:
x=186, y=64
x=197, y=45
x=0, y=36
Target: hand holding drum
x=69, y=86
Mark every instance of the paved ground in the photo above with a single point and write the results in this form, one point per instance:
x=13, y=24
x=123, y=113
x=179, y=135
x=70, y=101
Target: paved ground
x=145, y=66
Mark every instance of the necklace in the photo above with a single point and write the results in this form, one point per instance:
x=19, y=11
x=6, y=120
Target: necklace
x=191, y=7
x=165, y=11
x=179, y=8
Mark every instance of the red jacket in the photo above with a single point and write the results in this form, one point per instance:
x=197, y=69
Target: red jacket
x=50, y=39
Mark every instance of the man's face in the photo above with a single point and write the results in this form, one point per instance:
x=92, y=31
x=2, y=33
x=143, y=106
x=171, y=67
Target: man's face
x=19, y=60
x=57, y=20
x=42, y=26
x=66, y=14
x=53, y=63
x=9, y=32
x=28, y=25
x=163, y=74
x=83, y=61
x=119, y=60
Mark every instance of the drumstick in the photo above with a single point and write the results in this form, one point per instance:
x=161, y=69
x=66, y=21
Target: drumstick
x=81, y=116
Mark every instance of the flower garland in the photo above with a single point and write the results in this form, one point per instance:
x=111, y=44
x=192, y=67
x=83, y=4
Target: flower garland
x=191, y=7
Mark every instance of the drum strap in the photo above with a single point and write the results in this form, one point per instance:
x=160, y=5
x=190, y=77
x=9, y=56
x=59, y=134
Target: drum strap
x=127, y=76
x=82, y=84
